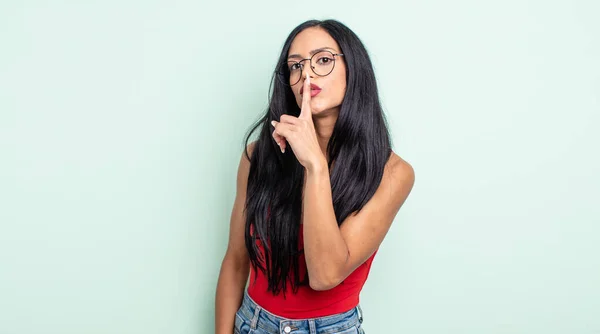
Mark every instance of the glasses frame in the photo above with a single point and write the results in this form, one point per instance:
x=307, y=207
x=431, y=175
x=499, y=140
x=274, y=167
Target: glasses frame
x=284, y=77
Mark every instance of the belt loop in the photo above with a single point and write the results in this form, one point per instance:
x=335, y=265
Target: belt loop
x=312, y=327
x=360, y=313
x=257, y=310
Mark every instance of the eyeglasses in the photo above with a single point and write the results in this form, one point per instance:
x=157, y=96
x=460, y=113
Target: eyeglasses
x=322, y=64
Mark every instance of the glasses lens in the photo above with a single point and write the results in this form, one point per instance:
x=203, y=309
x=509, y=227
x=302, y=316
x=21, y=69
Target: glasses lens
x=322, y=63
x=289, y=73
x=295, y=71
x=283, y=74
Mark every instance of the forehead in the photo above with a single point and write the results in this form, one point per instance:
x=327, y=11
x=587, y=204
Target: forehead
x=311, y=39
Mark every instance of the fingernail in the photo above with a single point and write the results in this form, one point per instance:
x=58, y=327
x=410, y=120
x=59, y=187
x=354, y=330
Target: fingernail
x=273, y=123
x=283, y=150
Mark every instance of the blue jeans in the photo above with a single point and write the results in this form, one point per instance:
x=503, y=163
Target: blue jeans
x=251, y=318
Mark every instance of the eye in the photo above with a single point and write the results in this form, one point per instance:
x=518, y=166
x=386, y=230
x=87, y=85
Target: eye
x=324, y=60
x=295, y=66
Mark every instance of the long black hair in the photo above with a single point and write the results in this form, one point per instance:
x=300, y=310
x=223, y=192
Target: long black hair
x=360, y=146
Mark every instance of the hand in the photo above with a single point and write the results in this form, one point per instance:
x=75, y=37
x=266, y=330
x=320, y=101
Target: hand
x=300, y=132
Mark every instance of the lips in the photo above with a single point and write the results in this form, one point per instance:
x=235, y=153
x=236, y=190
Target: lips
x=313, y=88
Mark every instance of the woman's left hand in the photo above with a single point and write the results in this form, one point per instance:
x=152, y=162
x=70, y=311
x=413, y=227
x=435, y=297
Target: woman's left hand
x=300, y=132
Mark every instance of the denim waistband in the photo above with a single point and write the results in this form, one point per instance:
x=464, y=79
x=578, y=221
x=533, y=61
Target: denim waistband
x=259, y=317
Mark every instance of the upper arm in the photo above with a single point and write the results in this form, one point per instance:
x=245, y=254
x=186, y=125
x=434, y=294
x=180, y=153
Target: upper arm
x=236, y=248
x=363, y=232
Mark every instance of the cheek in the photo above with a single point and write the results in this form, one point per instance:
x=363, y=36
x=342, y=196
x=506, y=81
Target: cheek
x=340, y=85
x=339, y=91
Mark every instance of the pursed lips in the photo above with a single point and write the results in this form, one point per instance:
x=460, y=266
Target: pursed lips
x=312, y=87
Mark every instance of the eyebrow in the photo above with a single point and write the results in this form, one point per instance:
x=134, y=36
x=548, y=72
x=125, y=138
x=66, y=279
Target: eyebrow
x=312, y=52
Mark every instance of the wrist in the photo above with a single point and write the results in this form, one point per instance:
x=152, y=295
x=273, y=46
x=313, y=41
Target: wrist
x=316, y=166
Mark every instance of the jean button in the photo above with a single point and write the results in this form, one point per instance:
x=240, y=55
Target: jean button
x=287, y=329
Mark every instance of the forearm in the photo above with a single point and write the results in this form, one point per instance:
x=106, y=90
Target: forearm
x=324, y=248
x=230, y=291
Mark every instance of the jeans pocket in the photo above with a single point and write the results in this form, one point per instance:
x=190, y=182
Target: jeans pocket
x=241, y=325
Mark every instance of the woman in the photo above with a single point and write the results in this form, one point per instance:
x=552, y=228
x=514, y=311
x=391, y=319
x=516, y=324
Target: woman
x=316, y=193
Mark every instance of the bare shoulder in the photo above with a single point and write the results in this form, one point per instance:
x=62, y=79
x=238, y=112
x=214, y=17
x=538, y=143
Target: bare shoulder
x=247, y=154
x=244, y=165
x=398, y=178
x=398, y=168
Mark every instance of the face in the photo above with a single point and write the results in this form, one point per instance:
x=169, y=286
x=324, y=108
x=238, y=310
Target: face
x=333, y=86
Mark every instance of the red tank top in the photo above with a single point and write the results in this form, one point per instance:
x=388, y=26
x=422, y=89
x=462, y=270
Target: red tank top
x=306, y=302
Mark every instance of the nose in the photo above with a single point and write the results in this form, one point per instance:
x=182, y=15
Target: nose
x=303, y=78
x=311, y=72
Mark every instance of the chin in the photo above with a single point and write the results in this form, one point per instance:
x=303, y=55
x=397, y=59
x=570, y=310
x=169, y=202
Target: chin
x=316, y=110
x=318, y=107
